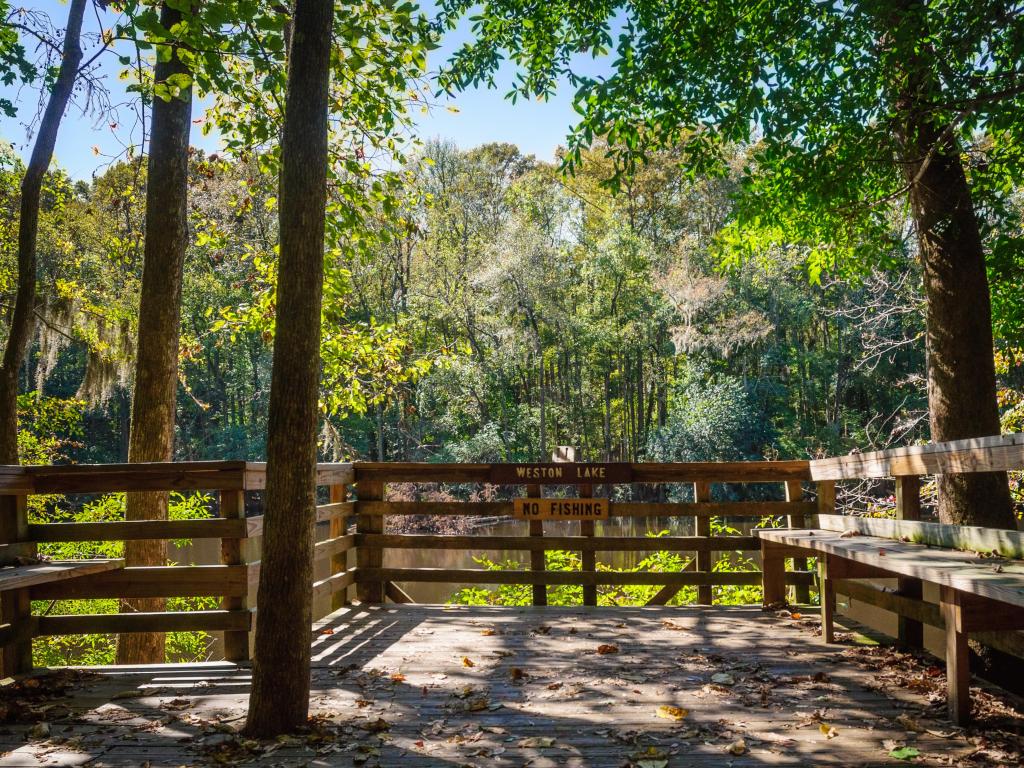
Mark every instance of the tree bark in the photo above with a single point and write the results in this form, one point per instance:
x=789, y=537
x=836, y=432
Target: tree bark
x=280, y=691
x=20, y=333
x=156, y=364
x=961, y=372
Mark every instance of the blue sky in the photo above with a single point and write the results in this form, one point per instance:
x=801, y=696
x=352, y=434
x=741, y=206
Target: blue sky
x=483, y=115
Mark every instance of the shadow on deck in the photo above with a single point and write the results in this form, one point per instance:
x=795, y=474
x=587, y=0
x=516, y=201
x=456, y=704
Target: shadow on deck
x=436, y=686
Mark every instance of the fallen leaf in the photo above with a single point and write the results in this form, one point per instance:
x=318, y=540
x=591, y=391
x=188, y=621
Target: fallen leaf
x=669, y=712
x=738, y=747
x=534, y=742
x=828, y=731
x=795, y=615
x=723, y=678
x=904, y=753
x=516, y=673
x=467, y=662
x=398, y=677
x=607, y=648
x=908, y=723
x=488, y=632
x=327, y=631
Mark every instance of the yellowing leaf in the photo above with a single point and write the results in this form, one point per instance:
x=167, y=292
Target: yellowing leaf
x=669, y=712
x=828, y=731
x=467, y=662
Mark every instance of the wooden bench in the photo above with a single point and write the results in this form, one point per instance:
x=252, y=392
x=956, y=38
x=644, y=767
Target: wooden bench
x=15, y=584
x=977, y=593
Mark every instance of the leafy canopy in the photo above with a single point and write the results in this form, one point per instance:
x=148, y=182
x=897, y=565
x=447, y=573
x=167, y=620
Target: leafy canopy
x=817, y=86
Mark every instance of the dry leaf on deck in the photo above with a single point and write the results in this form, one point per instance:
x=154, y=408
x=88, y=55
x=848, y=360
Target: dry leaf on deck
x=669, y=712
x=607, y=648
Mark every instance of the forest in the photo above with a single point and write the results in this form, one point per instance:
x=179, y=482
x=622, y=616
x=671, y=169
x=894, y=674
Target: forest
x=803, y=242
x=505, y=309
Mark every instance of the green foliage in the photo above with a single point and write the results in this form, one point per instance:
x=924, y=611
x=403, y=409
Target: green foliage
x=101, y=649
x=626, y=595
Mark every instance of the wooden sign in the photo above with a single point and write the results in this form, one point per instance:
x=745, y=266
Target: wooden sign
x=561, y=509
x=561, y=473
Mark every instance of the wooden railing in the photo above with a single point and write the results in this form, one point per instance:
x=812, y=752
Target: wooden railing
x=375, y=582
x=234, y=580
x=908, y=468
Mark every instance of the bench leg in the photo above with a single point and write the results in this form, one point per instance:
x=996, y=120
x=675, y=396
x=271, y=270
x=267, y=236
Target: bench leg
x=16, y=610
x=827, y=595
x=773, y=574
x=958, y=670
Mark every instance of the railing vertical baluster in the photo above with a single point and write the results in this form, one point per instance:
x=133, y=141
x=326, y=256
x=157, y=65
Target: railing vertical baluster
x=908, y=507
x=232, y=507
x=795, y=492
x=15, y=605
x=537, y=558
x=702, y=493
x=370, y=557
x=826, y=490
x=339, y=561
x=588, y=558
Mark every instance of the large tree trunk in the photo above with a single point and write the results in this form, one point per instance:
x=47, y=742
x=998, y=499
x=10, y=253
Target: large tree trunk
x=280, y=690
x=961, y=371
x=28, y=229
x=156, y=365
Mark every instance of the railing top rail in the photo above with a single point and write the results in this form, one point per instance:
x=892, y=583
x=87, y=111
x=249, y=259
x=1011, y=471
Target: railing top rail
x=150, y=476
x=982, y=454
x=556, y=473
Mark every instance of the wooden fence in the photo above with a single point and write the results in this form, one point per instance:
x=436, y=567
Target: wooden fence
x=235, y=579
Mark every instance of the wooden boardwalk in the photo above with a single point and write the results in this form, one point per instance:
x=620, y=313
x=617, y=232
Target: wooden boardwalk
x=434, y=686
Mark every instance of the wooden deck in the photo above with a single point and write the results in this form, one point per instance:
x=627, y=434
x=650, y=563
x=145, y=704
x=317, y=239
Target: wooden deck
x=583, y=687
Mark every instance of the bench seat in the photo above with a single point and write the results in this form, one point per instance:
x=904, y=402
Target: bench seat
x=977, y=594
x=24, y=576
x=995, y=578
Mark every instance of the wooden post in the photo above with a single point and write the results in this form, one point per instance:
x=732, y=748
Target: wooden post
x=827, y=596
x=908, y=507
x=958, y=670
x=15, y=605
x=773, y=575
x=339, y=562
x=589, y=558
x=826, y=491
x=705, y=558
x=795, y=492
x=537, y=559
x=236, y=642
x=370, y=557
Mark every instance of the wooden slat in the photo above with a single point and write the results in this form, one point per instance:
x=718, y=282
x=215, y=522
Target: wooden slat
x=335, y=546
x=151, y=581
x=232, y=553
x=338, y=525
x=397, y=595
x=134, y=530
x=795, y=492
x=334, y=583
x=119, y=623
x=326, y=474
x=649, y=472
x=949, y=568
x=23, y=576
x=327, y=512
x=15, y=481
x=983, y=454
x=155, y=476
x=537, y=557
x=20, y=632
x=570, y=543
x=477, y=576
x=702, y=495
x=370, y=557
x=963, y=537
x=627, y=509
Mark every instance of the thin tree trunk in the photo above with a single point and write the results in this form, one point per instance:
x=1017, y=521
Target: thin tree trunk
x=961, y=371
x=280, y=692
x=156, y=363
x=20, y=332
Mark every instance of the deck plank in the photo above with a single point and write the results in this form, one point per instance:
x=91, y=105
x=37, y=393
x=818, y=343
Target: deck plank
x=536, y=675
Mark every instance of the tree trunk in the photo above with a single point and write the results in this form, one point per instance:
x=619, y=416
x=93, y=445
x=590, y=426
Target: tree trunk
x=280, y=691
x=961, y=371
x=156, y=364
x=20, y=332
